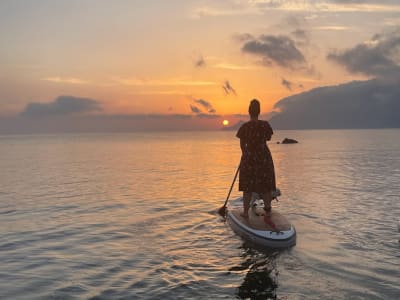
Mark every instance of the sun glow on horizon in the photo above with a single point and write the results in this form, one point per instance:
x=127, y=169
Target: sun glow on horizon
x=225, y=122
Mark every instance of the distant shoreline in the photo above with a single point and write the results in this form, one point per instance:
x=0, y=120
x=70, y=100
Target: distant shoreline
x=4, y=134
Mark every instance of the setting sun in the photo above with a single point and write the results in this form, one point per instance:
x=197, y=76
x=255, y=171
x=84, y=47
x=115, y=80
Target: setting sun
x=225, y=122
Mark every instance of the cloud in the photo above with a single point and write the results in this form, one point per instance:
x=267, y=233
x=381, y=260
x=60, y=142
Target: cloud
x=205, y=108
x=226, y=8
x=200, y=62
x=227, y=87
x=300, y=35
x=328, y=5
x=332, y=28
x=290, y=84
x=351, y=1
x=70, y=80
x=287, y=84
x=166, y=82
x=378, y=57
x=62, y=105
x=229, y=66
x=359, y=104
x=205, y=104
x=262, y=7
x=243, y=37
x=278, y=50
x=195, y=109
x=73, y=115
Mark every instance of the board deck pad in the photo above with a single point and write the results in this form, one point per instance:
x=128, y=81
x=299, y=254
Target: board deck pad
x=256, y=219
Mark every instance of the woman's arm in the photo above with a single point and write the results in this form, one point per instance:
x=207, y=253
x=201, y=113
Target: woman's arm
x=243, y=145
x=268, y=132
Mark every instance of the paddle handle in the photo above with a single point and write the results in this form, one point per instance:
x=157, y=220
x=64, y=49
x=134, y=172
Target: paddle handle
x=233, y=182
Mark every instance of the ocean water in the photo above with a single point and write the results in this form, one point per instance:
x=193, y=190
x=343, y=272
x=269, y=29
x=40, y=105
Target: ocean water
x=133, y=216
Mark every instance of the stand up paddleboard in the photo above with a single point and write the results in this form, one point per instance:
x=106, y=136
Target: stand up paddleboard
x=272, y=232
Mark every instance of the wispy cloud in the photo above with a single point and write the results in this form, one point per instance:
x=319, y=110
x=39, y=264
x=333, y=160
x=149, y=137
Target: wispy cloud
x=166, y=82
x=287, y=84
x=392, y=22
x=228, y=66
x=160, y=92
x=243, y=37
x=202, y=107
x=228, y=88
x=200, y=62
x=230, y=9
x=195, y=109
x=327, y=6
x=205, y=104
x=256, y=7
x=333, y=28
x=300, y=34
x=69, y=80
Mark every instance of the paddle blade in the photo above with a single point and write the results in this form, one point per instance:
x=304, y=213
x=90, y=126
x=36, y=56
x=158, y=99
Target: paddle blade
x=222, y=211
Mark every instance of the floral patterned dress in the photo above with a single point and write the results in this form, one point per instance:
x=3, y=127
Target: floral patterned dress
x=257, y=172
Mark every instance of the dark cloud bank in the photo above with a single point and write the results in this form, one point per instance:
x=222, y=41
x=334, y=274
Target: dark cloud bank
x=62, y=105
x=380, y=57
x=363, y=104
x=373, y=103
x=68, y=114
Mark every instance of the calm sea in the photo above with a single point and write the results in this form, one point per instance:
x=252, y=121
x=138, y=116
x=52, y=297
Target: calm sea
x=133, y=216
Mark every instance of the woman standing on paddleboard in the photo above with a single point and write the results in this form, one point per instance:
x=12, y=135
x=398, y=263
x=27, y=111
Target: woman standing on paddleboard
x=257, y=172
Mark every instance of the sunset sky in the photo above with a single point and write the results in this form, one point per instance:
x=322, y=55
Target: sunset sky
x=196, y=62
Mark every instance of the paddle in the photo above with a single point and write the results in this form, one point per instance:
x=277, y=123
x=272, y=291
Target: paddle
x=222, y=210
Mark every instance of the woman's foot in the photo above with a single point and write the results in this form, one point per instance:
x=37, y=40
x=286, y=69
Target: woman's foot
x=269, y=221
x=268, y=211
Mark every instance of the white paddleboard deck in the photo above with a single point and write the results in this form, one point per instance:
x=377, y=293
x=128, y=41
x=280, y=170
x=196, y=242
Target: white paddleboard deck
x=255, y=230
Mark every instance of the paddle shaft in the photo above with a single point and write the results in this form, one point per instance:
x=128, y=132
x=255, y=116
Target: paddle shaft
x=230, y=190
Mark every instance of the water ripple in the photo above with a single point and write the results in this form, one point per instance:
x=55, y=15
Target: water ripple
x=109, y=217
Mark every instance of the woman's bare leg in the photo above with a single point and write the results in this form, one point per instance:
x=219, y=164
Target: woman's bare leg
x=246, y=204
x=267, y=198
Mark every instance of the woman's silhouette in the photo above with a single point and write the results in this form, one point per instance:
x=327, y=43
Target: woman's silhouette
x=257, y=172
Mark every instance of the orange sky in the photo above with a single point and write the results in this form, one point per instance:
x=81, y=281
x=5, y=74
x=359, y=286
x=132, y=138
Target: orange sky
x=158, y=57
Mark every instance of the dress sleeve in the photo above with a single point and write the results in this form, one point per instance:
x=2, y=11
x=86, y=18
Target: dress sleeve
x=268, y=131
x=241, y=132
